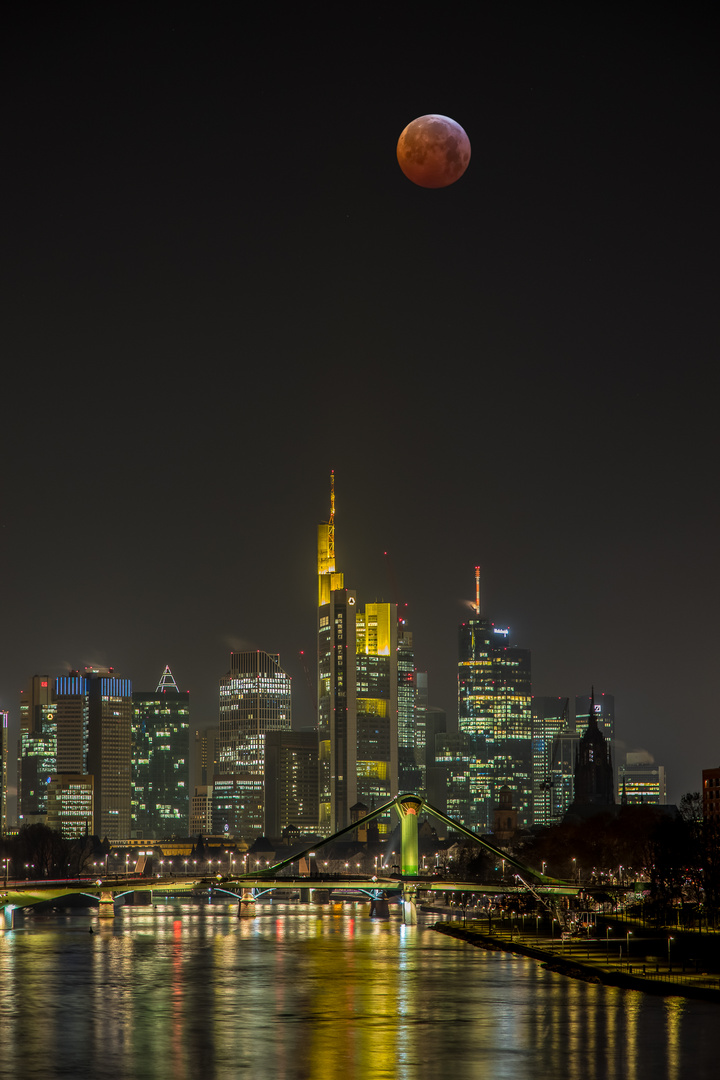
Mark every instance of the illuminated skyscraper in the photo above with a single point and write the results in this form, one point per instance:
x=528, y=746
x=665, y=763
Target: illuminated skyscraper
x=70, y=805
x=562, y=771
x=550, y=716
x=3, y=771
x=412, y=708
x=494, y=711
x=160, y=761
x=337, y=707
x=255, y=699
x=109, y=750
x=37, y=758
x=377, y=703
x=39, y=762
x=291, y=782
x=72, y=707
x=94, y=721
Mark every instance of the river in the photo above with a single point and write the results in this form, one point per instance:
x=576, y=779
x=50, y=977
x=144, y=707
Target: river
x=185, y=991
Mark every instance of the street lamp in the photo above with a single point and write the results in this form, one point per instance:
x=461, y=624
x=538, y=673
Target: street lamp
x=669, y=954
x=629, y=935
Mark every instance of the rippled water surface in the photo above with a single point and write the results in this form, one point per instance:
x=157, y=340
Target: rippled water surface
x=185, y=991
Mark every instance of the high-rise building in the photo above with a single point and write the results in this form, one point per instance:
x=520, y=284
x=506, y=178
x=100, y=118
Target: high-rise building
x=3, y=771
x=459, y=760
x=436, y=773
x=412, y=706
x=94, y=724
x=38, y=764
x=72, y=709
x=255, y=699
x=238, y=804
x=109, y=750
x=70, y=804
x=337, y=706
x=376, y=682
x=160, y=761
x=37, y=748
x=550, y=716
x=641, y=781
x=291, y=782
x=423, y=731
x=562, y=771
x=207, y=754
x=494, y=710
x=201, y=810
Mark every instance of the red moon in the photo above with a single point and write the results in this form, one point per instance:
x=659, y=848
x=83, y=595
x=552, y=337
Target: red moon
x=433, y=151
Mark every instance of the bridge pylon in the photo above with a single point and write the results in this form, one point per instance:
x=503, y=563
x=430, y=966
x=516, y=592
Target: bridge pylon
x=409, y=807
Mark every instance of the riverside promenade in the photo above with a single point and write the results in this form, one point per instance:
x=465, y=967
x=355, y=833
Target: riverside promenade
x=638, y=959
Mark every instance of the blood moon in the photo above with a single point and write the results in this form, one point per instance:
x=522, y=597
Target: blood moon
x=433, y=151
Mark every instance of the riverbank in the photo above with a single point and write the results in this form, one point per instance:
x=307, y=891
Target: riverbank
x=590, y=959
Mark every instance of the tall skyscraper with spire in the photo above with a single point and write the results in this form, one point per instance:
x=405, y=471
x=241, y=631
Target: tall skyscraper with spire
x=337, y=691
x=494, y=714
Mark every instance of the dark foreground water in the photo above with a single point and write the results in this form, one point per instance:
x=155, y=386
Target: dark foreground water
x=185, y=991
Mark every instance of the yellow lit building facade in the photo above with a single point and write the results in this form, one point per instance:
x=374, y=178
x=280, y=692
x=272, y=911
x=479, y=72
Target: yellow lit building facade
x=358, y=701
x=337, y=716
x=376, y=645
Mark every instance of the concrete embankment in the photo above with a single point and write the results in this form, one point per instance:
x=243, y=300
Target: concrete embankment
x=558, y=957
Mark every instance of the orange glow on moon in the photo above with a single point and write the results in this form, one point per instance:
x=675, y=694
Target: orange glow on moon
x=433, y=151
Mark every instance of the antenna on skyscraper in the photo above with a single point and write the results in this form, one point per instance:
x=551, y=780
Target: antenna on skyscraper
x=477, y=590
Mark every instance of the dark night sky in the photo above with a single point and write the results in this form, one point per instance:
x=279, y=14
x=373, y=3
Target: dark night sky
x=217, y=285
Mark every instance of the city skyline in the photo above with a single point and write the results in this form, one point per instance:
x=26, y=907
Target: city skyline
x=218, y=286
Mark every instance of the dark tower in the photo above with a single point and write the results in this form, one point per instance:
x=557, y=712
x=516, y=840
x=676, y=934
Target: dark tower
x=594, y=784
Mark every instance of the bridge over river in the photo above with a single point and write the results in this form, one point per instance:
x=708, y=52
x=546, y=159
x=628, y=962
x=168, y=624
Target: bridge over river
x=408, y=886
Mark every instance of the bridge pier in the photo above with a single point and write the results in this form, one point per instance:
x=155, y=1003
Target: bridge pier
x=379, y=907
x=8, y=920
x=106, y=907
x=246, y=907
x=305, y=896
x=410, y=916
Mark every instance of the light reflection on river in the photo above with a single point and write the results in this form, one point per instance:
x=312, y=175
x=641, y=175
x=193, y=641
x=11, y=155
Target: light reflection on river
x=185, y=991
